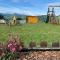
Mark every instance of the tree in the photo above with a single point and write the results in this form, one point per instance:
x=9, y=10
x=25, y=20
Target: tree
x=47, y=20
x=1, y=16
x=19, y=18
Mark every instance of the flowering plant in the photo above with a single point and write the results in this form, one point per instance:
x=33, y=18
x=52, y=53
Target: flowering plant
x=12, y=48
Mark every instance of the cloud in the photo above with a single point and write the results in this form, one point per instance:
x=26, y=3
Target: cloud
x=7, y=10
x=30, y=2
x=54, y=4
x=25, y=11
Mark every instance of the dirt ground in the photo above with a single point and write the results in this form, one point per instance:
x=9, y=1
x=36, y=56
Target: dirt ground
x=41, y=55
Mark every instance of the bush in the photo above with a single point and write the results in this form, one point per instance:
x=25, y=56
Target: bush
x=43, y=44
x=32, y=44
x=1, y=49
x=12, y=49
x=55, y=44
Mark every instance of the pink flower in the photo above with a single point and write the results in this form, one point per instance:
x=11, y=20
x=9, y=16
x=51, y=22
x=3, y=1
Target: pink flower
x=13, y=49
x=9, y=45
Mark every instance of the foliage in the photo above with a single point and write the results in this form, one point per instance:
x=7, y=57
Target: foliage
x=43, y=44
x=55, y=44
x=19, y=18
x=47, y=20
x=43, y=18
x=11, y=50
x=1, y=16
x=32, y=44
x=9, y=16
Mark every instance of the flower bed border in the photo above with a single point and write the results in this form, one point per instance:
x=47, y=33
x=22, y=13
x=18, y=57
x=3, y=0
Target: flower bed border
x=39, y=49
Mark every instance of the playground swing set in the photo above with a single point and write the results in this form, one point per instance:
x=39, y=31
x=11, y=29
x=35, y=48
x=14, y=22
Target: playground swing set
x=51, y=14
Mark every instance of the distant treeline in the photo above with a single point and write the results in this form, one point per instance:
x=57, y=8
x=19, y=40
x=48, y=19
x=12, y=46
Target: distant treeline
x=23, y=17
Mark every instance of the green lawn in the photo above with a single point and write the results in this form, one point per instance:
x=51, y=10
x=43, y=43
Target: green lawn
x=38, y=32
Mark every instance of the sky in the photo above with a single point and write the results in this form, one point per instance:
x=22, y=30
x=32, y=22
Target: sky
x=28, y=7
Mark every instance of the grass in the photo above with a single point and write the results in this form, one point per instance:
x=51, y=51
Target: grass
x=37, y=32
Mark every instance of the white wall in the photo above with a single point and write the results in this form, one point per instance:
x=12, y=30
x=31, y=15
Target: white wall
x=2, y=21
x=22, y=21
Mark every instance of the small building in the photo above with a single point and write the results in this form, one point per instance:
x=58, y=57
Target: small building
x=21, y=21
x=32, y=19
x=2, y=21
x=17, y=20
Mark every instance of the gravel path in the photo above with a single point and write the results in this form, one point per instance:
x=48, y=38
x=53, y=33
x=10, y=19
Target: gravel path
x=41, y=55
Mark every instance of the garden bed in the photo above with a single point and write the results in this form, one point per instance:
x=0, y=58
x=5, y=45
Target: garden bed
x=41, y=55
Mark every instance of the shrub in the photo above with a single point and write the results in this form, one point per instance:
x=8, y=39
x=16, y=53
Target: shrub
x=32, y=44
x=14, y=44
x=19, y=43
x=12, y=48
x=55, y=44
x=43, y=44
x=1, y=49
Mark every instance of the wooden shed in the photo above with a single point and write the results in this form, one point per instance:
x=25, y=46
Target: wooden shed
x=32, y=19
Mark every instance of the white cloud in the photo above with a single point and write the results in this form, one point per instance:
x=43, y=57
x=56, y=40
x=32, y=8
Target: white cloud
x=19, y=11
x=56, y=9
x=54, y=4
x=32, y=2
